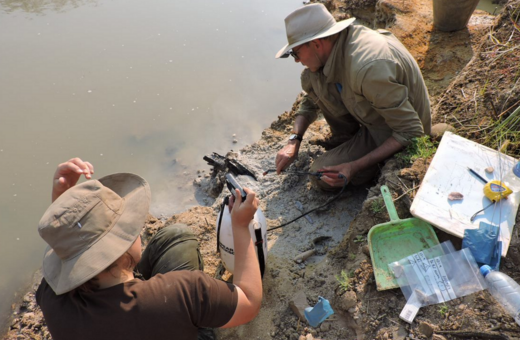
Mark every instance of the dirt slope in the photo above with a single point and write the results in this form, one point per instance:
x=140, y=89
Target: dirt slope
x=472, y=76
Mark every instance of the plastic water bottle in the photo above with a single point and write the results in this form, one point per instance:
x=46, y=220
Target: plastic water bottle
x=512, y=178
x=504, y=289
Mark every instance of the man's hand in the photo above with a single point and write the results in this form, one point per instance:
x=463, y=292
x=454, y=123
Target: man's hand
x=287, y=155
x=346, y=169
x=67, y=175
x=350, y=169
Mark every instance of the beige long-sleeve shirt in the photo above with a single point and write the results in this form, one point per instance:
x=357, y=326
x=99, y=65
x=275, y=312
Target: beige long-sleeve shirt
x=369, y=79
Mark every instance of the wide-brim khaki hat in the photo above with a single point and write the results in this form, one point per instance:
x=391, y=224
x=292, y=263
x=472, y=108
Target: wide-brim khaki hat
x=90, y=226
x=308, y=23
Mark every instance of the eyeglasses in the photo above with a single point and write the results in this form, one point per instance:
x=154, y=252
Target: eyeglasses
x=294, y=53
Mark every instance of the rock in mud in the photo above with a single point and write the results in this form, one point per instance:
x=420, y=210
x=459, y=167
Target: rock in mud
x=298, y=304
x=348, y=300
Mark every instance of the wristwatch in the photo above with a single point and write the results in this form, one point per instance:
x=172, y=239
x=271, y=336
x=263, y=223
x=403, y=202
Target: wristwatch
x=296, y=136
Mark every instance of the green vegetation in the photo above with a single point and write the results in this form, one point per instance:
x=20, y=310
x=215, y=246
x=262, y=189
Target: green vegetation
x=359, y=239
x=483, y=89
x=506, y=129
x=344, y=280
x=421, y=147
x=377, y=206
x=443, y=310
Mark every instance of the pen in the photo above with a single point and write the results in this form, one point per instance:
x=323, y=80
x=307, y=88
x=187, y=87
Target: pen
x=479, y=177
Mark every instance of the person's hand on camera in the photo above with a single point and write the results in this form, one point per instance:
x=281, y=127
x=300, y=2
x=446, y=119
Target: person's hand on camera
x=243, y=212
x=67, y=175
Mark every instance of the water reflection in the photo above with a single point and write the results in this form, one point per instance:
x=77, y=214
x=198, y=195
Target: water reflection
x=131, y=88
x=493, y=7
x=41, y=6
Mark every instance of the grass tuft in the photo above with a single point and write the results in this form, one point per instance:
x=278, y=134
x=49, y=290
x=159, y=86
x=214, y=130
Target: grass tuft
x=421, y=147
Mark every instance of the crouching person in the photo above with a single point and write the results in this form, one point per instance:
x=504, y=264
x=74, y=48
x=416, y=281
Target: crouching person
x=89, y=290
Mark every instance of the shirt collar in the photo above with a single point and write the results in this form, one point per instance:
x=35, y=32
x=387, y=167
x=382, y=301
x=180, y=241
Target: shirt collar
x=332, y=68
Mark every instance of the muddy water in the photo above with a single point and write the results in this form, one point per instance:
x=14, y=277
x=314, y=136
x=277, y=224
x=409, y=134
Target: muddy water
x=131, y=86
x=489, y=6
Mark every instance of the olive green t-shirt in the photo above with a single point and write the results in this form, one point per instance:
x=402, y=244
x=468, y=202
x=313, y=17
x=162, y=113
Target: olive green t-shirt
x=168, y=306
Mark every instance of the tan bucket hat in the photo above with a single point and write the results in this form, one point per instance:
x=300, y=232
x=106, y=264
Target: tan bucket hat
x=308, y=23
x=90, y=226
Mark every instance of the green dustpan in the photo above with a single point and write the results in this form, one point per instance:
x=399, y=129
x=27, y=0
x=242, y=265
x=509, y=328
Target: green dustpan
x=395, y=240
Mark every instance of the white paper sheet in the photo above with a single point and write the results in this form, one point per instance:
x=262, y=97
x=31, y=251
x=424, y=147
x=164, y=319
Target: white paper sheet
x=448, y=173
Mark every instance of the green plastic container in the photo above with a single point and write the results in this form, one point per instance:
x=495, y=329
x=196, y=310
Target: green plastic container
x=392, y=241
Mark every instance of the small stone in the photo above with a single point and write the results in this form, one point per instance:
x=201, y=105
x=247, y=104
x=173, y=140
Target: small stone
x=439, y=129
x=438, y=337
x=325, y=327
x=400, y=334
x=455, y=196
x=426, y=329
x=489, y=169
x=298, y=304
x=348, y=300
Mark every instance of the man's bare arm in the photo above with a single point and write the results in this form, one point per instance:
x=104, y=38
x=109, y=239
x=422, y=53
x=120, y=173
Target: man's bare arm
x=288, y=154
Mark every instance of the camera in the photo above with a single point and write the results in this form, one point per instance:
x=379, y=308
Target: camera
x=232, y=184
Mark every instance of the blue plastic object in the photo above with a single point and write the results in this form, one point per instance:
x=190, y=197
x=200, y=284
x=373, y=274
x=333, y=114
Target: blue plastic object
x=497, y=255
x=319, y=313
x=483, y=244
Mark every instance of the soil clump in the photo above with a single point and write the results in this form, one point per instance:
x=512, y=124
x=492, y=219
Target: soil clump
x=472, y=76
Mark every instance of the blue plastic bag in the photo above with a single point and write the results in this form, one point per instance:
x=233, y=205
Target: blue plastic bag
x=495, y=260
x=483, y=244
x=317, y=314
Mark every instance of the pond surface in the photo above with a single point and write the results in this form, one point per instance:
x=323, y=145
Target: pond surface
x=489, y=6
x=148, y=87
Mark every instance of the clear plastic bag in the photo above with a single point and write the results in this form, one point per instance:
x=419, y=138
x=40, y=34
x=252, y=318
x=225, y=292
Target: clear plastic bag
x=428, y=278
x=405, y=274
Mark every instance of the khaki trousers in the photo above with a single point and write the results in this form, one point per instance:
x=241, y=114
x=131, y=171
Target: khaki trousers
x=356, y=147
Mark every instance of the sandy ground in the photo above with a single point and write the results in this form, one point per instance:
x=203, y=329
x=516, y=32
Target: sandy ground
x=450, y=62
